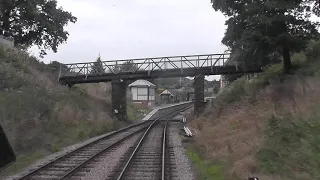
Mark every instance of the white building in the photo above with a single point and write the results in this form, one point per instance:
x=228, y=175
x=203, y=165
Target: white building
x=142, y=92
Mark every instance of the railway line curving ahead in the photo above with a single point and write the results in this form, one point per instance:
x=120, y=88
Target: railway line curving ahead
x=146, y=159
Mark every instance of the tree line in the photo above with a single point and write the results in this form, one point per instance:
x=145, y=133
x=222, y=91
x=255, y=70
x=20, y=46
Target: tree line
x=271, y=28
x=99, y=68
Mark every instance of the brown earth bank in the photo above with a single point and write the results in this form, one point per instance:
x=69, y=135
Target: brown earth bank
x=40, y=116
x=266, y=127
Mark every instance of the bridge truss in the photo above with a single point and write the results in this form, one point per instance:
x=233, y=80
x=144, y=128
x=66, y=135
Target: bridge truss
x=150, y=65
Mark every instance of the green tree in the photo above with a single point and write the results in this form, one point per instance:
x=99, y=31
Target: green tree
x=97, y=67
x=35, y=22
x=269, y=25
x=125, y=67
x=216, y=89
x=129, y=67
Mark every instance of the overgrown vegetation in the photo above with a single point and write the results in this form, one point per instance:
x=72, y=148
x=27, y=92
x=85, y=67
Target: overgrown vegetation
x=41, y=117
x=292, y=147
x=304, y=64
x=267, y=126
x=136, y=111
x=205, y=169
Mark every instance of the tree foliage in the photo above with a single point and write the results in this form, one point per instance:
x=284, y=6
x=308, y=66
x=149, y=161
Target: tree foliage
x=270, y=25
x=35, y=22
x=97, y=67
x=129, y=67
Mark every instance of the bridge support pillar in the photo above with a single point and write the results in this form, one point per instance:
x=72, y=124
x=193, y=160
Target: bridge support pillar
x=198, y=94
x=119, y=99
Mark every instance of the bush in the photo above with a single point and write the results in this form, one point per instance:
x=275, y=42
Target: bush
x=312, y=51
x=241, y=88
x=234, y=92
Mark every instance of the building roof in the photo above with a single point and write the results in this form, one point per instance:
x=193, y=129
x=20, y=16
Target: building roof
x=165, y=92
x=141, y=83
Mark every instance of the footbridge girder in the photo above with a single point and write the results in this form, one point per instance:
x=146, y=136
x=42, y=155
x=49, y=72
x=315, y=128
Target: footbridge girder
x=146, y=68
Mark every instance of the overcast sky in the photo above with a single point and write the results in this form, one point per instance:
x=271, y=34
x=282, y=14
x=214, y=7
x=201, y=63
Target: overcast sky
x=121, y=29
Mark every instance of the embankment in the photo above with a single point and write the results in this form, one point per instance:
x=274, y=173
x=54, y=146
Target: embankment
x=40, y=116
x=266, y=127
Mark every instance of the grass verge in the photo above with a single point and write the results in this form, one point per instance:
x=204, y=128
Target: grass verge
x=205, y=170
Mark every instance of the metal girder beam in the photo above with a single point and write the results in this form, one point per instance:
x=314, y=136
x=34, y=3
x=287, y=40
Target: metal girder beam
x=157, y=63
x=218, y=70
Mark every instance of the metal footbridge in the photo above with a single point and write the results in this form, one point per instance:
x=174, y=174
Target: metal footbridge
x=149, y=68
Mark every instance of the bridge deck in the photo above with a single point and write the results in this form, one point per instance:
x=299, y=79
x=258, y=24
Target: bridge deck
x=146, y=68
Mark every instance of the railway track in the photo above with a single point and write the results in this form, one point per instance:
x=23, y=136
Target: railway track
x=151, y=158
x=76, y=164
x=67, y=165
x=147, y=158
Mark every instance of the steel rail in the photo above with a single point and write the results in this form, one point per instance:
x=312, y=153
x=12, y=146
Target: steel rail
x=135, y=150
x=75, y=169
x=163, y=168
x=143, y=138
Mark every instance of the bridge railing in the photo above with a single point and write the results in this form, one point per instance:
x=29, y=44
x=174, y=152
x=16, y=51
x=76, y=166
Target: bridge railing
x=145, y=64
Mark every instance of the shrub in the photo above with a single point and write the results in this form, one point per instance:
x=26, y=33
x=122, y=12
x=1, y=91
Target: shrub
x=241, y=87
x=312, y=51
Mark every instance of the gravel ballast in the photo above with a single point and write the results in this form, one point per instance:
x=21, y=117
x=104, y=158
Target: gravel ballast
x=105, y=167
x=52, y=157
x=183, y=166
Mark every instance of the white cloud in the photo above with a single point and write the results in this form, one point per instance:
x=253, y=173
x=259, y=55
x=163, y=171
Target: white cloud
x=82, y=9
x=139, y=28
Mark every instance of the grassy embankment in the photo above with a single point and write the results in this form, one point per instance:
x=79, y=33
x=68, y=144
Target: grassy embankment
x=40, y=116
x=268, y=127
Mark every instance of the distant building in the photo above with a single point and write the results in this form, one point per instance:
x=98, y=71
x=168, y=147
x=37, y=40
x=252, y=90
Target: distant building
x=143, y=92
x=166, y=97
x=166, y=94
